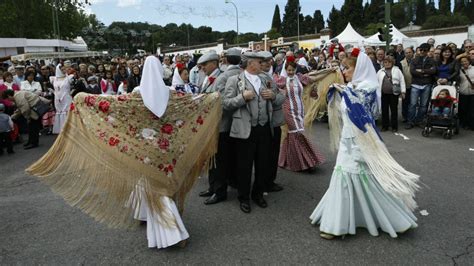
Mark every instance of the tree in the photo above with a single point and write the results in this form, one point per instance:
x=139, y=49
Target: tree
x=444, y=7
x=318, y=20
x=276, y=21
x=335, y=22
x=442, y=21
x=273, y=34
x=459, y=6
x=421, y=12
x=375, y=12
x=352, y=11
x=289, y=25
x=431, y=9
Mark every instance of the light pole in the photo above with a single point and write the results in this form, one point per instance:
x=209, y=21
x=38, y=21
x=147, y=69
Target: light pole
x=236, y=17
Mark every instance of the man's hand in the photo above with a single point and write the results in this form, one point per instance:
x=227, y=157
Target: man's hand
x=248, y=95
x=267, y=94
x=403, y=96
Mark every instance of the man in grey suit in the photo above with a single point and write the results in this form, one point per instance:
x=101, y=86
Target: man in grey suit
x=246, y=95
x=210, y=65
x=277, y=120
x=223, y=169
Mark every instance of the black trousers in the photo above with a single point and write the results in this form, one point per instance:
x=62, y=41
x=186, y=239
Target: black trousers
x=253, y=152
x=389, y=111
x=274, y=155
x=466, y=110
x=406, y=103
x=34, y=127
x=6, y=142
x=224, y=168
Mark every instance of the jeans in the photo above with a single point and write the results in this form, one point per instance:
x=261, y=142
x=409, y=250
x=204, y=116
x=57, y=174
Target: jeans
x=406, y=103
x=423, y=93
x=441, y=111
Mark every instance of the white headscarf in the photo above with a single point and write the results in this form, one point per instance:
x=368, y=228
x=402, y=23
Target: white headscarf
x=177, y=80
x=365, y=76
x=154, y=92
x=302, y=62
x=59, y=73
x=364, y=71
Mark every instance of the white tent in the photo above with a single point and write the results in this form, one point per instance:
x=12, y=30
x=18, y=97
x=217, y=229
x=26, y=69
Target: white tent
x=397, y=38
x=350, y=36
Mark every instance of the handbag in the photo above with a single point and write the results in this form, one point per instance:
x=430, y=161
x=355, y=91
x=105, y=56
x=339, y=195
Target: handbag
x=41, y=108
x=396, y=88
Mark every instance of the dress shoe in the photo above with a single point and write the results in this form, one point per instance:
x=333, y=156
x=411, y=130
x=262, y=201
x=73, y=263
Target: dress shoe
x=409, y=126
x=384, y=129
x=394, y=130
x=26, y=144
x=274, y=188
x=205, y=193
x=326, y=236
x=260, y=202
x=214, y=199
x=245, y=206
x=31, y=146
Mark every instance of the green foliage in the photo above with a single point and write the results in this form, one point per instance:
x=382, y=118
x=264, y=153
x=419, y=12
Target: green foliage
x=421, y=12
x=352, y=11
x=289, y=25
x=372, y=28
x=335, y=21
x=442, y=21
x=318, y=20
x=276, y=21
x=34, y=19
x=444, y=7
x=374, y=12
x=273, y=34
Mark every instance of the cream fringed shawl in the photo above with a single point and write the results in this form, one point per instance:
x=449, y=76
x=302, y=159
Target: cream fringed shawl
x=111, y=144
x=314, y=107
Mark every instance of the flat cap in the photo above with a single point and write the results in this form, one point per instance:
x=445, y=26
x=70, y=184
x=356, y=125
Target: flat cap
x=211, y=56
x=265, y=54
x=234, y=52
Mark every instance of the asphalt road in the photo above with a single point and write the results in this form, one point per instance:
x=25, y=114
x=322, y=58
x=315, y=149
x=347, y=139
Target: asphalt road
x=38, y=227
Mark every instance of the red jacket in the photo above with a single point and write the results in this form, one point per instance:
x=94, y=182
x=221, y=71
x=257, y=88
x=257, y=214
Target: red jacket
x=443, y=102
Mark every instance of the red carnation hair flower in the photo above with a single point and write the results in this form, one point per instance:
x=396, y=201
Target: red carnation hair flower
x=180, y=66
x=290, y=58
x=355, y=52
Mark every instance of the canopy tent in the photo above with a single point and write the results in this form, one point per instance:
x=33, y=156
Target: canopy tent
x=350, y=36
x=397, y=38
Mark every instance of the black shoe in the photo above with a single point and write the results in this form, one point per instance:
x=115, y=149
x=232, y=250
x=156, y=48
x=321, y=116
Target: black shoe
x=274, y=188
x=384, y=129
x=31, y=146
x=409, y=126
x=245, y=206
x=214, y=199
x=10, y=152
x=205, y=193
x=26, y=144
x=260, y=202
x=394, y=130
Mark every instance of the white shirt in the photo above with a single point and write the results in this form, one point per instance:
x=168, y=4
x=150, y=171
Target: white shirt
x=254, y=80
x=34, y=87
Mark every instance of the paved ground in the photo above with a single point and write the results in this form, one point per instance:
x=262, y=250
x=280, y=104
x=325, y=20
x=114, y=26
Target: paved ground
x=37, y=227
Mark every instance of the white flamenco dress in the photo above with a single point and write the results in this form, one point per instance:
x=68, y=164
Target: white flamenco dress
x=62, y=98
x=159, y=231
x=368, y=188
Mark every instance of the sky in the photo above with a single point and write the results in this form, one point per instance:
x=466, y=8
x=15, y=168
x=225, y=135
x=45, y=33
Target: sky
x=254, y=15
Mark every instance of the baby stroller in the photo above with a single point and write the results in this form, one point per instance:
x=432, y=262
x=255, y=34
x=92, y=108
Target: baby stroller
x=449, y=124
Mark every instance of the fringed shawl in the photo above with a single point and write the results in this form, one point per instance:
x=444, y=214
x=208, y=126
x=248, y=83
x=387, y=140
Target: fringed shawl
x=361, y=108
x=111, y=144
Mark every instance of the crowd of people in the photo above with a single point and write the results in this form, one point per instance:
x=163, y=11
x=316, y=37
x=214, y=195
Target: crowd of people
x=261, y=91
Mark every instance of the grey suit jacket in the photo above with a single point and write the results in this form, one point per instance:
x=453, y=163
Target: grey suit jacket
x=233, y=101
x=220, y=82
x=278, y=117
x=208, y=88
